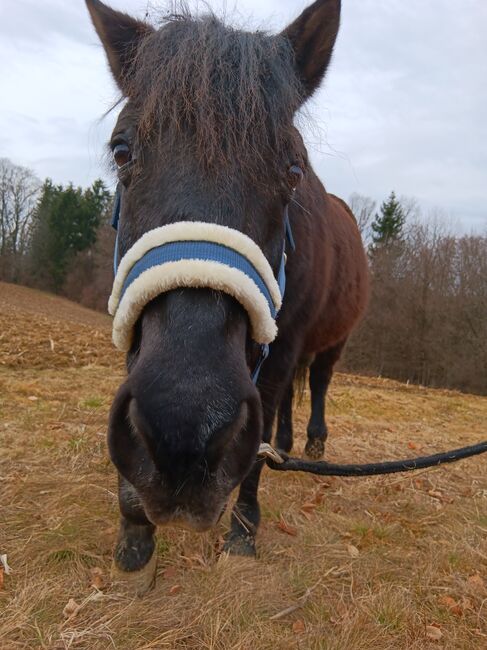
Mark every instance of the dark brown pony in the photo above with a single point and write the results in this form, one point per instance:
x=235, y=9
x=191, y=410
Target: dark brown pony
x=321, y=352
x=207, y=134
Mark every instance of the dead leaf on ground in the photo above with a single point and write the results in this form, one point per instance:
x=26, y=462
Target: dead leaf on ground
x=451, y=604
x=299, y=626
x=287, y=528
x=98, y=578
x=318, y=498
x=433, y=632
x=71, y=608
x=170, y=572
x=436, y=494
x=307, y=515
x=323, y=483
x=476, y=582
x=309, y=507
x=353, y=550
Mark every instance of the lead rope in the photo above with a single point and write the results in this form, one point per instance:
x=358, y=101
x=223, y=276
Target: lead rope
x=280, y=461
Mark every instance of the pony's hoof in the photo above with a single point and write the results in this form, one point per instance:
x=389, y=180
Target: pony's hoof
x=243, y=545
x=315, y=448
x=138, y=582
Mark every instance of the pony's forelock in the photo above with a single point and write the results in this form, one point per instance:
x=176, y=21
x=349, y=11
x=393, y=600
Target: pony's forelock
x=227, y=94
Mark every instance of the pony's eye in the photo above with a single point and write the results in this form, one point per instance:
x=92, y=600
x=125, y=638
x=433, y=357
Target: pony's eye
x=295, y=175
x=121, y=154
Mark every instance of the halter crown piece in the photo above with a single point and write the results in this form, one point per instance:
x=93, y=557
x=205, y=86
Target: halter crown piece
x=202, y=255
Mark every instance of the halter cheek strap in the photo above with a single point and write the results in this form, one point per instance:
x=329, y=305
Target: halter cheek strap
x=197, y=254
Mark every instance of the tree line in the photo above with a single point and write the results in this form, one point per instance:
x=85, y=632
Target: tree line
x=427, y=317
x=55, y=238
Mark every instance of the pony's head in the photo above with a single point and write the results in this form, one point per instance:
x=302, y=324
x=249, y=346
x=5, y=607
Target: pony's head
x=206, y=134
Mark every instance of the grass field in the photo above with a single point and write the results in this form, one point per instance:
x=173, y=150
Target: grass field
x=395, y=562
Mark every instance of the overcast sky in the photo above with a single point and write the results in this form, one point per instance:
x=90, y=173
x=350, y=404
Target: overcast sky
x=404, y=105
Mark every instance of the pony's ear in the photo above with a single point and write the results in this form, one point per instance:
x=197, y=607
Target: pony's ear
x=312, y=37
x=120, y=35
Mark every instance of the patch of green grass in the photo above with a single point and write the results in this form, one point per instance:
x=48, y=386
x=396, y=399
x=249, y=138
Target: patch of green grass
x=92, y=402
x=270, y=513
x=62, y=555
x=380, y=532
x=67, y=555
x=76, y=444
x=46, y=615
x=454, y=560
x=389, y=618
x=361, y=530
x=46, y=443
x=163, y=546
x=66, y=530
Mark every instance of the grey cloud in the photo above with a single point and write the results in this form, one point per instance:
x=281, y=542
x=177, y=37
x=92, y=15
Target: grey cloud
x=403, y=105
x=32, y=24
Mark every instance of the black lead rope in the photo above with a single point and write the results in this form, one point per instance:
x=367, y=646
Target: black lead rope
x=323, y=468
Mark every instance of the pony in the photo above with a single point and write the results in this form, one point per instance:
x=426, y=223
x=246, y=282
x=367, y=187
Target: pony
x=207, y=135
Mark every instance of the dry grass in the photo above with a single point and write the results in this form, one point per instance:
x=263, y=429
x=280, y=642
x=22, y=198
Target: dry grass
x=379, y=559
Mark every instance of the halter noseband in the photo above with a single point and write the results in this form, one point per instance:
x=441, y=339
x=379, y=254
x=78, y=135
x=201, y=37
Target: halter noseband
x=197, y=254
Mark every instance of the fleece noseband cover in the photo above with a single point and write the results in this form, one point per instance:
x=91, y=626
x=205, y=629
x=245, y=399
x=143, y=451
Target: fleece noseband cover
x=199, y=255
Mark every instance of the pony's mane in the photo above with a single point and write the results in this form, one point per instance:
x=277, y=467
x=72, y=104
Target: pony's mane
x=229, y=94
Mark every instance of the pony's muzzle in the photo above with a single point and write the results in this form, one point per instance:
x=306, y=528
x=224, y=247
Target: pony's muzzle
x=182, y=478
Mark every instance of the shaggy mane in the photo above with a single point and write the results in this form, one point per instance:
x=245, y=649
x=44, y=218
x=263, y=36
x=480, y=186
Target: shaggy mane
x=229, y=95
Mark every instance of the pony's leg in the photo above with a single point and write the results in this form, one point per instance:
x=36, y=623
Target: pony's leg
x=246, y=514
x=320, y=374
x=275, y=377
x=284, y=432
x=134, y=560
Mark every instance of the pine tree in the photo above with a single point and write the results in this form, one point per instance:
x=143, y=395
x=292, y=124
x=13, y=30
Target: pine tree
x=388, y=226
x=66, y=222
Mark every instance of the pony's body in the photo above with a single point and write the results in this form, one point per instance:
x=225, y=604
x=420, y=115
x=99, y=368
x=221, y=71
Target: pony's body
x=337, y=264
x=339, y=295
x=208, y=134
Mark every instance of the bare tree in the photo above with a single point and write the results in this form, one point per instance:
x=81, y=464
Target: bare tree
x=19, y=190
x=427, y=317
x=411, y=209
x=363, y=208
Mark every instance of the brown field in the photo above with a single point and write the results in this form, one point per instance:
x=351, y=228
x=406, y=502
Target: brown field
x=395, y=562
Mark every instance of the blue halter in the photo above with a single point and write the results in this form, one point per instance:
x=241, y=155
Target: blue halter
x=207, y=250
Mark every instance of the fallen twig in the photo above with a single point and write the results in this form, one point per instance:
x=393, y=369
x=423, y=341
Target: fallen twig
x=301, y=601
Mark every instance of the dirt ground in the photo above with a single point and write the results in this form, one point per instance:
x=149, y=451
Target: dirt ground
x=380, y=563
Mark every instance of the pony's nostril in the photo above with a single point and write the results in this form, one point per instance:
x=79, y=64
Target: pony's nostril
x=126, y=451
x=222, y=438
